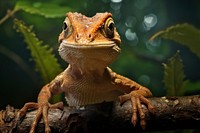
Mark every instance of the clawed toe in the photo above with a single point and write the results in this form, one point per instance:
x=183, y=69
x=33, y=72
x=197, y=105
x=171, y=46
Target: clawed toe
x=41, y=112
x=136, y=101
x=27, y=106
x=57, y=105
x=148, y=103
x=124, y=98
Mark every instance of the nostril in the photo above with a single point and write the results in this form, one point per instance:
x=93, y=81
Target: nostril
x=77, y=36
x=90, y=36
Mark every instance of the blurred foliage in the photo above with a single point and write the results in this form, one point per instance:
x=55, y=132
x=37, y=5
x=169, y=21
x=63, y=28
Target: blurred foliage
x=174, y=77
x=192, y=87
x=184, y=34
x=41, y=8
x=140, y=60
x=46, y=63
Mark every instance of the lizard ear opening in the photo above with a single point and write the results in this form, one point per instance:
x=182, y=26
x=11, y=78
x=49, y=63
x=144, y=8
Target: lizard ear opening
x=67, y=27
x=109, y=27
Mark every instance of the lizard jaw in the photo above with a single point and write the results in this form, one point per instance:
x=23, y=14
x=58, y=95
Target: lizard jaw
x=96, y=45
x=90, y=55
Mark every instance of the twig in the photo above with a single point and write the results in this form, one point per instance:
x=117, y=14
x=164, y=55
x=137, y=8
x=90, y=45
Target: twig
x=9, y=14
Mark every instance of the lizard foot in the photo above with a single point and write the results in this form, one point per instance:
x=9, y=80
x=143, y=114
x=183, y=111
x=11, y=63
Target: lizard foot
x=136, y=100
x=42, y=111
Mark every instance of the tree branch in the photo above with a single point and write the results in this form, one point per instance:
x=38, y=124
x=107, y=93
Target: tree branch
x=9, y=14
x=171, y=113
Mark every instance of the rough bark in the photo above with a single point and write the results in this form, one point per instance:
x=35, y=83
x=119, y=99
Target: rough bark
x=171, y=113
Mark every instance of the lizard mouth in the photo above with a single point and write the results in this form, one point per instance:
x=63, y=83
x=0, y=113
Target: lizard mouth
x=99, y=45
x=91, y=53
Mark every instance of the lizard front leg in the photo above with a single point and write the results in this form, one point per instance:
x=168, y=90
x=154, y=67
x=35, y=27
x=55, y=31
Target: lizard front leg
x=43, y=105
x=136, y=93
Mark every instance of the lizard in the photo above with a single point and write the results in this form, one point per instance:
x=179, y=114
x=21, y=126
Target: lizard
x=89, y=45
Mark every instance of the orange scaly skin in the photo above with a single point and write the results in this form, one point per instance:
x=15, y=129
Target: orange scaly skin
x=89, y=45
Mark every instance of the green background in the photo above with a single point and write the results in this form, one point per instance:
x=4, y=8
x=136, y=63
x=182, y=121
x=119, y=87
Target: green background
x=138, y=60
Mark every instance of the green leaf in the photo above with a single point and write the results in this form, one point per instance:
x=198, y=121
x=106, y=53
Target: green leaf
x=45, y=61
x=174, y=77
x=192, y=87
x=184, y=34
x=49, y=10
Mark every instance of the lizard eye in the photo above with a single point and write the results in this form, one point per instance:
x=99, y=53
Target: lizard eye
x=109, y=27
x=64, y=26
x=67, y=27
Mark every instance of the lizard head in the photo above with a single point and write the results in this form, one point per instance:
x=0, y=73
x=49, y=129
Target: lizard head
x=89, y=40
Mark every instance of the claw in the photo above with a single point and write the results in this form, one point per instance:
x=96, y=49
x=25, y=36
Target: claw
x=37, y=118
x=124, y=98
x=41, y=112
x=134, y=107
x=149, y=105
x=136, y=100
x=27, y=106
x=56, y=105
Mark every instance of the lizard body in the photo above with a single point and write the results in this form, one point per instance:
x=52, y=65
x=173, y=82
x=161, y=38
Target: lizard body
x=89, y=45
